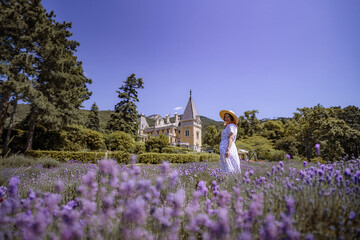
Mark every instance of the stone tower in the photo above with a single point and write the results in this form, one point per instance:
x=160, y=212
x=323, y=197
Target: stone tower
x=190, y=126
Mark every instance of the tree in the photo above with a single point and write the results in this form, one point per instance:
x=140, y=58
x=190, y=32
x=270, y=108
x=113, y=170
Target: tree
x=20, y=20
x=125, y=117
x=121, y=141
x=38, y=66
x=93, y=118
x=248, y=124
x=60, y=86
x=272, y=130
x=212, y=137
x=156, y=144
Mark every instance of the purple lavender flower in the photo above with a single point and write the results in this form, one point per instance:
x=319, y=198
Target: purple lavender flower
x=135, y=211
x=202, y=187
x=270, y=230
x=304, y=163
x=288, y=156
x=317, y=148
x=290, y=205
x=281, y=164
x=347, y=172
x=165, y=167
x=352, y=215
x=13, y=190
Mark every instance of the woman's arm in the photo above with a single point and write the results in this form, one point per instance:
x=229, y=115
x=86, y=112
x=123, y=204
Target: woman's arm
x=231, y=139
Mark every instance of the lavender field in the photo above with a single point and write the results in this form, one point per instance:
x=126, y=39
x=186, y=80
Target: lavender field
x=269, y=200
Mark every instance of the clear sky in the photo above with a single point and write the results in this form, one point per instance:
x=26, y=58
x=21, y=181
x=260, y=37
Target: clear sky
x=269, y=55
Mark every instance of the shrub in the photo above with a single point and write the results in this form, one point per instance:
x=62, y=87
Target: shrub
x=15, y=161
x=77, y=138
x=62, y=156
x=94, y=140
x=89, y=157
x=121, y=141
x=139, y=147
x=157, y=158
x=48, y=162
x=120, y=157
x=277, y=155
x=171, y=149
x=156, y=144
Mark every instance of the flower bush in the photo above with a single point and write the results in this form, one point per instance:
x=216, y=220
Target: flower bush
x=189, y=201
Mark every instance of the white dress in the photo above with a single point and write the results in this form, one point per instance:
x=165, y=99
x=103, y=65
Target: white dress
x=232, y=163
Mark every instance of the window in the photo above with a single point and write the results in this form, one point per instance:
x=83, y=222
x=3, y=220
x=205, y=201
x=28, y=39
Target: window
x=157, y=131
x=187, y=133
x=197, y=135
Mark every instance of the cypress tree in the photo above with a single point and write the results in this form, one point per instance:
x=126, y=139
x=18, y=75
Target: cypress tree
x=93, y=119
x=125, y=117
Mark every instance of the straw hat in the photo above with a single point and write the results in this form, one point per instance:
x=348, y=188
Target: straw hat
x=223, y=112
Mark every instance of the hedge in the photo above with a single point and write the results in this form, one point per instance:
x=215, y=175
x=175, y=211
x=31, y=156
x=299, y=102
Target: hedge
x=157, y=158
x=90, y=157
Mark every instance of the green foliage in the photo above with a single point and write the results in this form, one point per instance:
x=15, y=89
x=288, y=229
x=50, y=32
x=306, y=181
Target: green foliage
x=272, y=130
x=93, y=118
x=157, y=158
x=277, y=155
x=212, y=136
x=125, y=117
x=77, y=138
x=248, y=124
x=62, y=156
x=38, y=66
x=15, y=161
x=289, y=144
x=48, y=162
x=121, y=141
x=120, y=157
x=172, y=149
x=259, y=147
x=139, y=147
x=156, y=144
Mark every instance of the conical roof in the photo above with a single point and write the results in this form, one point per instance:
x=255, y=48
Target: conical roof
x=190, y=111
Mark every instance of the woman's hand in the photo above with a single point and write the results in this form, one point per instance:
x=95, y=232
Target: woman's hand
x=227, y=153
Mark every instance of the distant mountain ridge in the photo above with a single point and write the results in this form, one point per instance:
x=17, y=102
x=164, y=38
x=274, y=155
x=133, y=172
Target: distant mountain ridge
x=104, y=115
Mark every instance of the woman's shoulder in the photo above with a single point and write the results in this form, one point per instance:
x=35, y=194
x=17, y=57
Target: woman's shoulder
x=232, y=125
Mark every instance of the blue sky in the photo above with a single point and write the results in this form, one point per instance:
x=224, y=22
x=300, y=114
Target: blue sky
x=269, y=55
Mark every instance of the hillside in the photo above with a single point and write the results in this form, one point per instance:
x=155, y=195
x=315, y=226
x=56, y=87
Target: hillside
x=23, y=110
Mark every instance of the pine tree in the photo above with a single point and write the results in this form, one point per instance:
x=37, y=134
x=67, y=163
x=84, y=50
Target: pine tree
x=38, y=66
x=93, y=118
x=125, y=117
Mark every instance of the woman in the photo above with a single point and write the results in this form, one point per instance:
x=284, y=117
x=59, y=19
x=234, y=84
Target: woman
x=229, y=158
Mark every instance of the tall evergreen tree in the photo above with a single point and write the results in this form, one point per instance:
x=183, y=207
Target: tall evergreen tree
x=38, y=66
x=93, y=119
x=61, y=84
x=20, y=21
x=125, y=117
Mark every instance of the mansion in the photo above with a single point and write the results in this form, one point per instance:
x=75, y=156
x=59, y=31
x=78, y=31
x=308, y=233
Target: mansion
x=184, y=132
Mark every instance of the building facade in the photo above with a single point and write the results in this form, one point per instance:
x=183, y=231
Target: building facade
x=184, y=132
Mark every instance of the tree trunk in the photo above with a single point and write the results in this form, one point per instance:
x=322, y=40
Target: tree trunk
x=7, y=139
x=4, y=103
x=32, y=122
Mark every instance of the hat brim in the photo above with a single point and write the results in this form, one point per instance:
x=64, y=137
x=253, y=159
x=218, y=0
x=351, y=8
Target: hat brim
x=223, y=112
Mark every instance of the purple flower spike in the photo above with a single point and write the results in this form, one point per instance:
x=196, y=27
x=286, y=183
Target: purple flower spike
x=352, y=215
x=317, y=148
x=202, y=187
x=347, y=172
x=304, y=163
x=288, y=156
x=281, y=163
x=165, y=167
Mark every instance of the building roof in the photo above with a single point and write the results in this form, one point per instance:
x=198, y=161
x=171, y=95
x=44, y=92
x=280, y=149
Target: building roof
x=190, y=110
